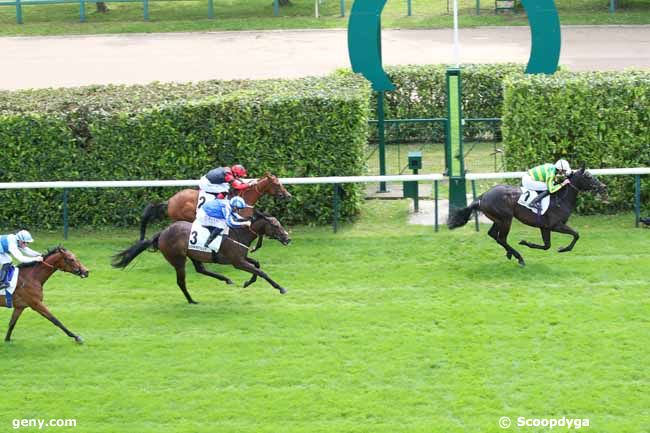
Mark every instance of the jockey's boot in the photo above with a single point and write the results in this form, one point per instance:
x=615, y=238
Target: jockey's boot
x=214, y=232
x=536, y=203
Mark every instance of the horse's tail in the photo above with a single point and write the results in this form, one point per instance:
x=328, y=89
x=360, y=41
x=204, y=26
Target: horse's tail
x=122, y=259
x=458, y=217
x=153, y=211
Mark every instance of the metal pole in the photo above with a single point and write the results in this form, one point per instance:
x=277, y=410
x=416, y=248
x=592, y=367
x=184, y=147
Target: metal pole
x=335, y=206
x=316, y=12
x=82, y=11
x=612, y=7
x=409, y=7
x=342, y=8
x=637, y=199
x=478, y=7
x=382, y=139
x=146, y=9
x=474, y=195
x=65, y=213
x=210, y=9
x=19, y=12
x=456, y=39
x=435, y=204
x=276, y=7
x=416, y=198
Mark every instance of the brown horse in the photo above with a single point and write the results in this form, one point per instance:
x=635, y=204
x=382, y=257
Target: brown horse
x=182, y=205
x=173, y=243
x=31, y=279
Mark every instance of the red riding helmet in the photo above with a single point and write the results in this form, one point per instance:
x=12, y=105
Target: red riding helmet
x=238, y=170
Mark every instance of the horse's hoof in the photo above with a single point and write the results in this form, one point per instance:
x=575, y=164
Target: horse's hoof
x=509, y=256
x=79, y=340
x=563, y=250
x=523, y=242
x=522, y=263
x=193, y=302
x=7, y=341
x=282, y=291
x=229, y=282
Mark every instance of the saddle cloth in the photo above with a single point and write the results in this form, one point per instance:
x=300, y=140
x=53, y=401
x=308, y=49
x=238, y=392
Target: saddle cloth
x=12, y=284
x=527, y=195
x=205, y=197
x=199, y=235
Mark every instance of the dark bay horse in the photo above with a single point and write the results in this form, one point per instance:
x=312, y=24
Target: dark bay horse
x=31, y=279
x=182, y=205
x=500, y=205
x=173, y=243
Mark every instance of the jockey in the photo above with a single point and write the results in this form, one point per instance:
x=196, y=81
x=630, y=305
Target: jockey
x=220, y=180
x=16, y=246
x=546, y=179
x=219, y=212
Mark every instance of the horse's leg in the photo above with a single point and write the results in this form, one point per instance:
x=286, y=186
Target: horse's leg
x=546, y=237
x=180, y=280
x=254, y=277
x=494, y=234
x=200, y=268
x=244, y=265
x=14, y=318
x=43, y=311
x=502, y=239
x=563, y=228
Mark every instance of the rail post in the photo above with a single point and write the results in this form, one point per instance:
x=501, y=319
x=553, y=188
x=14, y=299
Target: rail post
x=335, y=207
x=637, y=199
x=65, y=213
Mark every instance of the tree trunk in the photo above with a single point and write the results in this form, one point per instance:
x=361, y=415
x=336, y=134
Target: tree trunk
x=101, y=7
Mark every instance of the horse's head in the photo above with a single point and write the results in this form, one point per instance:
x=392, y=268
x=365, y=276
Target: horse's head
x=273, y=187
x=64, y=260
x=270, y=227
x=585, y=181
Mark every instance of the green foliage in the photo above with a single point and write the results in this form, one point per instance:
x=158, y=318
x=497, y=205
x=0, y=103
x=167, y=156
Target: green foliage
x=421, y=92
x=307, y=127
x=599, y=119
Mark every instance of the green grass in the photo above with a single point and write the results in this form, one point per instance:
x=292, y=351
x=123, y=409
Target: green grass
x=190, y=16
x=386, y=328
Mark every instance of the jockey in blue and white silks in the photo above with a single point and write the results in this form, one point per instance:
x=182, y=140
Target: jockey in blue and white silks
x=218, y=214
x=16, y=246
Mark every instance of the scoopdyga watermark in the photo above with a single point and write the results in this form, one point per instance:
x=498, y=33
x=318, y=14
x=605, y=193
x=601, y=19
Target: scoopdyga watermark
x=550, y=423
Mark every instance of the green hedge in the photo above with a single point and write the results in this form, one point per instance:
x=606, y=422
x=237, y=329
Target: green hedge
x=307, y=127
x=600, y=119
x=421, y=92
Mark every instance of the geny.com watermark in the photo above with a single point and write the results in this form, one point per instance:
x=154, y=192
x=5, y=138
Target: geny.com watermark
x=43, y=423
x=564, y=422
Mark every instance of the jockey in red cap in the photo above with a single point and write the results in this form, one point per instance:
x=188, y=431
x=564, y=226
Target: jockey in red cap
x=220, y=180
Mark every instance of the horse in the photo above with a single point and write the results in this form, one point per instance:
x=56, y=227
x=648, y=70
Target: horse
x=499, y=204
x=31, y=279
x=182, y=205
x=174, y=240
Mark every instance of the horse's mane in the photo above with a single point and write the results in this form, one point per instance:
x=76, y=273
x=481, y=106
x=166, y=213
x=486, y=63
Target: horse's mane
x=45, y=256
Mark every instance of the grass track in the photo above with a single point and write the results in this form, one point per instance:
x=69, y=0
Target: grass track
x=386, y=328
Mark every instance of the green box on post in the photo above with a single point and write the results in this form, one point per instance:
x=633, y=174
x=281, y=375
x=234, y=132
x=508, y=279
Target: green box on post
x=415, y=161
x=411, y=189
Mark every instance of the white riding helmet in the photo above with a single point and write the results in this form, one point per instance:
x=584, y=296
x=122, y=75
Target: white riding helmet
x=24, y=236
x=237, y=203
x=563, y=165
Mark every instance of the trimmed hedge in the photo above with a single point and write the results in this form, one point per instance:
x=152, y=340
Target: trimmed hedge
x=600, y=119
x=307, y=127
x=421, y=92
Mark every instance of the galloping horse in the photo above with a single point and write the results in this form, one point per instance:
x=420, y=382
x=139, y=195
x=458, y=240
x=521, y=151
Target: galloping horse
x=173, y=243
x=31, y=279
x=182, y=205
x=500, y=205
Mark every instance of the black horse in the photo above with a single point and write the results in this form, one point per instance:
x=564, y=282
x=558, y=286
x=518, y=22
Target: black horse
x=173, y=243
x=500, y=205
